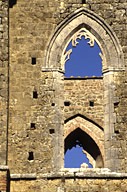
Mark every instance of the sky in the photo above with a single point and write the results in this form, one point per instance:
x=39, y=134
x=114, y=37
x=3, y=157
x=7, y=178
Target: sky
x=84, y=61
x=77, y=158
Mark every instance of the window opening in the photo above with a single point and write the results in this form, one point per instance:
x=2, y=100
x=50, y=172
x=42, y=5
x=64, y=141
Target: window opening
x=82, y=56
x=75, y=144
x=78, y=158
x=31, y=156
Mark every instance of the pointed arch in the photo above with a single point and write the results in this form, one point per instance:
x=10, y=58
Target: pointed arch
x=83, y=117
x=79, y=144
x=89, y=128
x=97, y=28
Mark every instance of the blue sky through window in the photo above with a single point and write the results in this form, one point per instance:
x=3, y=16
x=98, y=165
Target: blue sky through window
x=84, y=60
x=75, y=157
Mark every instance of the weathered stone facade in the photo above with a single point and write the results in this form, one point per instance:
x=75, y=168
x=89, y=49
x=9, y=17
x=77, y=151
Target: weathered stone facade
x=3, y=79
x=80, y=92
x=40, y=108
x=3, y=93
x=71, y=185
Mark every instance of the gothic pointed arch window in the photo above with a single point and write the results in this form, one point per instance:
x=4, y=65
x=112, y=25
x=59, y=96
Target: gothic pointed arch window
x=83, y=144
x=57, y=55
x=81, y=151
x=82, y=55
x=82, y=59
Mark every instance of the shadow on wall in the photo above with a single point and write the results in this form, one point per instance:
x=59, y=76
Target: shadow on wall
x=8, y=181
x=12, y=3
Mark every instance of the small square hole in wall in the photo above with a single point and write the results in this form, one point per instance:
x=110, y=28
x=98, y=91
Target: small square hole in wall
x=32, y=126
x=53, y=104
x=117, y=131
x=35, y=94
x=67, y=103
x=51, y=131
x=83, y=1
x=91, y=103
x=33, y=60
x=116, y=104
x=31, y=156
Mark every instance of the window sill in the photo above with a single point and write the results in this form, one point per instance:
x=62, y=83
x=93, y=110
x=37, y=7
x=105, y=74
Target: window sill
x=81, y=173
x=72, y=173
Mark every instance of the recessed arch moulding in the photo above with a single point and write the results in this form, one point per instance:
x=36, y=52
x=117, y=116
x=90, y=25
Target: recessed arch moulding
x=112, y=56
x=89, y=128
x=89, y=24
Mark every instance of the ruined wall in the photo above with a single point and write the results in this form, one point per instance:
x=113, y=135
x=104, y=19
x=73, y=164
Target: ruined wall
x=31, y=24
x=120, y=105
x=4, y=182
x=3, y=93
x=84, y=109
x=71, y=185
x=3, y=80
x=36, y=101
x=85, y=97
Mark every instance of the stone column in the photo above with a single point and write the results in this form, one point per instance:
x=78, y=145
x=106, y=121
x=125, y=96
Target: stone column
x=58, y=120
x=111, y=155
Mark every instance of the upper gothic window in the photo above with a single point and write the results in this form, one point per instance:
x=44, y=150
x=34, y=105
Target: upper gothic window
x=82, y=56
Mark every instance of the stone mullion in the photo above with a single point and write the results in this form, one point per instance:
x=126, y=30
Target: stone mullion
x=109, y=120
x=58, y=158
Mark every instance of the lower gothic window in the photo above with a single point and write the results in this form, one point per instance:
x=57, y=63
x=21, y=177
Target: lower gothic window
x=81, y=151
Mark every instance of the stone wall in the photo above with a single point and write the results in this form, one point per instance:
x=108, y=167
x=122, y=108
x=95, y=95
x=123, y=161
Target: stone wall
x=71, y=184
x=121, y=120
x=3, y=80
x=4, y=179
x=31, y=24
x=85, y=97
x=37, y=99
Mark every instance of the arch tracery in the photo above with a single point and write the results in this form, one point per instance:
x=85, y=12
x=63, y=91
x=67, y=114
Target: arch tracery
x=74, y=40
x=93, y=24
